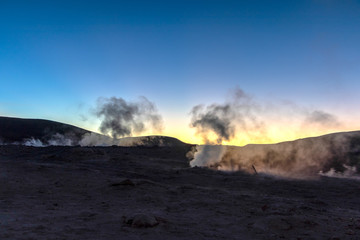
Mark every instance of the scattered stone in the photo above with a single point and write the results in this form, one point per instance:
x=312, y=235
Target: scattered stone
x=264, y=208
x=319, y=202
x=41, y=191
x=125, y=182
x=141, y=220
x=350, y=232
x=311, y=223
x=273, y=224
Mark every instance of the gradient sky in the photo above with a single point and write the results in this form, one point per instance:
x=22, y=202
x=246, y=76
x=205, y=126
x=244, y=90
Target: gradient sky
x=58, y=57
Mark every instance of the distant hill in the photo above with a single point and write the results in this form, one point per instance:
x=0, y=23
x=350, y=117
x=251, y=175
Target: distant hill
x=17, y=130
x=336, y=152
x=161, y=141
x=39, y=132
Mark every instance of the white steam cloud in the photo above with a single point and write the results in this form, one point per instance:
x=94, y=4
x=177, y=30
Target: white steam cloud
x=327, y=155
x=55, y=140
x=242, y=116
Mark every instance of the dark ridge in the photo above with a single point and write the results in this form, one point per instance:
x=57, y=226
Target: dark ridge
x=306, y=156
x=18, y=129
x=155, y=140
x=353, y=135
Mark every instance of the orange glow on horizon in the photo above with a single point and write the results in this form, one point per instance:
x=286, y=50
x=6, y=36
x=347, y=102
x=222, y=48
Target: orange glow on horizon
x=275, y=133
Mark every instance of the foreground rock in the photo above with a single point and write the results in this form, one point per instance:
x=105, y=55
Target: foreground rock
x=141, y=220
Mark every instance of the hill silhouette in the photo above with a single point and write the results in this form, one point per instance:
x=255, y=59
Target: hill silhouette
x=14, y=130
x=331, y=153
x=45, y=132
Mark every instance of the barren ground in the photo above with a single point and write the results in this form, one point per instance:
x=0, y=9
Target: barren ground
x=91, y=193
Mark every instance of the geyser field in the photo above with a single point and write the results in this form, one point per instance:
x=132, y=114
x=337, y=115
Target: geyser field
x=161, y=120
x=148, y=188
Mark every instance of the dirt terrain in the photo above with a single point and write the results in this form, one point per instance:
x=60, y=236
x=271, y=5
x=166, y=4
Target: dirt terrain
x=152, y=193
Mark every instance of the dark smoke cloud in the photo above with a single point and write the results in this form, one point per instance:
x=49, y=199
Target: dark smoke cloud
x=121, y=118
x=83, y=117
x=224, y=120
x=322, y=118
x=216, y=118
x=330, y=155
x=241, y=116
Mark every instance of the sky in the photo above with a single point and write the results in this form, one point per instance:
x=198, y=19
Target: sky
x=292, y=58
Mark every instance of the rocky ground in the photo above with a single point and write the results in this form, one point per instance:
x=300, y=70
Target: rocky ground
x=151, y=193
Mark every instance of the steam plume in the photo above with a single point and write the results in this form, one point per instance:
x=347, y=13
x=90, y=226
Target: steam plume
x=121, y=118
x=242, y=116
x=329, y=155
x=323, y=118
x=224, y=120
x=216, y=118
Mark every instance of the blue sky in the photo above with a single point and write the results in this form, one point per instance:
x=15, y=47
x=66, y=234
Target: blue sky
x=58, y=57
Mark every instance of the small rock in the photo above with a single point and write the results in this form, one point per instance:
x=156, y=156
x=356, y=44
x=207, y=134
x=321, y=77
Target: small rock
x=319, y=202
x=264, y=208
x=67, y=228
x=141, y=220
x=125, y=182
x=350, y=232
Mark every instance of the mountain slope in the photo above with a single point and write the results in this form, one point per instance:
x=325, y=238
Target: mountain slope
x=41, y=132
x=337, y=152
x=19, y=129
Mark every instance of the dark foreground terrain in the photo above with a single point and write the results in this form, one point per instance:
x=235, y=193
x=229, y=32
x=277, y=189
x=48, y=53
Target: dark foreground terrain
x=151, y=193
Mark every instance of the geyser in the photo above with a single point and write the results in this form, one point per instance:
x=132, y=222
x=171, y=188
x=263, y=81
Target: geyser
x=330, y=155
x=121, y=118
x=242, y=117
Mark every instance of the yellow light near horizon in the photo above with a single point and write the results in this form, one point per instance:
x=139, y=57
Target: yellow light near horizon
x=273, y=135
x=275, y=132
